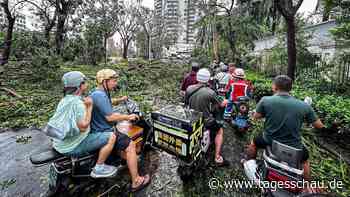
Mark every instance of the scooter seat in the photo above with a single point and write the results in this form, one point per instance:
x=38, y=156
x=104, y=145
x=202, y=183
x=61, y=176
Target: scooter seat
x=284, y=153
x=45, y=157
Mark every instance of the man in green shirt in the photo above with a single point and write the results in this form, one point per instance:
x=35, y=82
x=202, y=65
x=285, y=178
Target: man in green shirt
x=284, y=117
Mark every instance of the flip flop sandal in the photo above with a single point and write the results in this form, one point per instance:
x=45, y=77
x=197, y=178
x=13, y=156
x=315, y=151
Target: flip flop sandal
x=146, y=181
x=222, y=164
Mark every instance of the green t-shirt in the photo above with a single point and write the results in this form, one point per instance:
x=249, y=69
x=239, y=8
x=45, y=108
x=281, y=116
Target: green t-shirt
x=284, y=117
x=204, y=100
x=70, y=110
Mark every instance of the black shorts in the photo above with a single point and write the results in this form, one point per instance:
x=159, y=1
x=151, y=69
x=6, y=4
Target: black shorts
x=261, y=143
x=214, y=129
x=122, y=142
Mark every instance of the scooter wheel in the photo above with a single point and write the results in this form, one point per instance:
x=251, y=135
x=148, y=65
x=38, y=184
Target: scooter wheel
x=243, y=109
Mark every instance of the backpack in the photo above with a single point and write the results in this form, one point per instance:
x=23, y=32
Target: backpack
x=188, y=96
x=63, y=123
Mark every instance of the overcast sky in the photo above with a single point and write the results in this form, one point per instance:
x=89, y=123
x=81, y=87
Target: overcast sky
x=148, y=3
x=308, y=7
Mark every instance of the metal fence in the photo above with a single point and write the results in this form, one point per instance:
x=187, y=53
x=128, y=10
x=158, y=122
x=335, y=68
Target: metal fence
x=321, y=74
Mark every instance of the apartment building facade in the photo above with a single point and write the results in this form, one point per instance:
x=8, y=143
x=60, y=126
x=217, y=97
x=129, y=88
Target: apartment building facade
x=25, y=20
x=20, y=24
x=178, y=18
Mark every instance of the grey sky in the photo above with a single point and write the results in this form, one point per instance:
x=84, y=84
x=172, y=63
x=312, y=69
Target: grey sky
x=308, y=7
x=148, y=3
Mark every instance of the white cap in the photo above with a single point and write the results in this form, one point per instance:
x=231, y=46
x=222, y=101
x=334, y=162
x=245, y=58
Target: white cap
x=239, y=73
x=203, y=75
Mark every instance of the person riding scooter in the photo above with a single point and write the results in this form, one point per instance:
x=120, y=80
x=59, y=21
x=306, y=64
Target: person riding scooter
x=103, y=119
x=237, y=87
x=203, y=99
x=221, y=80
x=284, y=116
x=72, y=117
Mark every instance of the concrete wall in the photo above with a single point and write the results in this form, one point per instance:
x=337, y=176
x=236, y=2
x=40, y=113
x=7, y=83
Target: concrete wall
x=321, y=41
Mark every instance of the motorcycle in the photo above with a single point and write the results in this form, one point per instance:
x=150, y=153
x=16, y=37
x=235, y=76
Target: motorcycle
x=65, y=171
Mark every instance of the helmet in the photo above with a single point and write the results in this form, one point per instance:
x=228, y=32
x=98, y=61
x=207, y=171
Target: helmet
x=223, y=67
x=105, y=74
x=73, y=79
x=203, y=75
x=239, y=73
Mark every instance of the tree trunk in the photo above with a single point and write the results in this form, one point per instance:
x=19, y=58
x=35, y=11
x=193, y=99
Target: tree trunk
x=231, y=39
x=292, y=51
x=215, y=43
x=105, y=47
x=125, y=49
x=149, y=47
x=47, y=36
x=275, y=20
x=8, y=41
x=61, y=19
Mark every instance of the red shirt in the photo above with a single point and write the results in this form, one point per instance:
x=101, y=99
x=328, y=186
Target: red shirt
x=190, y=79
x=236, y=88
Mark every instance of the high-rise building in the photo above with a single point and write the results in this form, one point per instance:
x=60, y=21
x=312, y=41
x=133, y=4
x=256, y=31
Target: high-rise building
x=20, y=24
x=25, y=20
x=178, y=18
x=34, y=23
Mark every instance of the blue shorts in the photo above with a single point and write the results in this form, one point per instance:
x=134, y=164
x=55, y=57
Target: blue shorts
x=122, y=141
x=92, y=143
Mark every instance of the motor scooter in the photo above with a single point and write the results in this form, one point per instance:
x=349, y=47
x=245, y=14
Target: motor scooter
x=280, y=171
x=66, y=171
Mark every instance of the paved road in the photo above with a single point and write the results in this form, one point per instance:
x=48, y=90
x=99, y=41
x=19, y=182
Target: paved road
x=16, y=168
x=32, y=182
